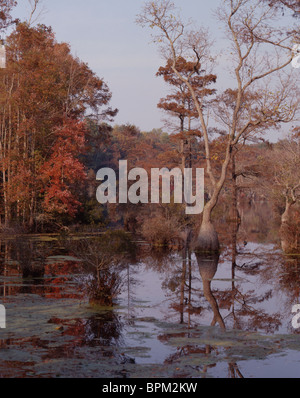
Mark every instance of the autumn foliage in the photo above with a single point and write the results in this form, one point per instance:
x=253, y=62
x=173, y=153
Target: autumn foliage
x=45, y=94
x=6, y=7
x=63, y=174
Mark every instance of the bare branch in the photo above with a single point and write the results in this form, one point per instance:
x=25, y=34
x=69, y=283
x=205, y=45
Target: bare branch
x=35, y=14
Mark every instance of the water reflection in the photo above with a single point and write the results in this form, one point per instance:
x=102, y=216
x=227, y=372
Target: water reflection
x=102, y=330
x=250, y=287
x=86, y=340
x=208, y=265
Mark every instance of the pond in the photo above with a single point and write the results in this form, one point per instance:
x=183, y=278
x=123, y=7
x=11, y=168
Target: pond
x=177, y=314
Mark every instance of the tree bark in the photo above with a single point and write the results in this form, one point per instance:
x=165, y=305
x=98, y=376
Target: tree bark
x=207, y=240
x=288, y=240
x=286, y=215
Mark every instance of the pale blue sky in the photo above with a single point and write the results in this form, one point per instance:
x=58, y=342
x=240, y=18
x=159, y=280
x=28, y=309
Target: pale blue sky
x=104, y=34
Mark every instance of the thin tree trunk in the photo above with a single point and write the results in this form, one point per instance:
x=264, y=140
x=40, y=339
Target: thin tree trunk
x=235, y=215
x=182, y=286
x=288, y=240
x=190, y=288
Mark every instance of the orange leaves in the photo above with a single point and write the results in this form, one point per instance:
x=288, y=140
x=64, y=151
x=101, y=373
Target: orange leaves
x=44, y=92
x=6, y=7
x=218, y=148
x=180, y=103
x=63, y=173
x=70, y=137
x=51, y=81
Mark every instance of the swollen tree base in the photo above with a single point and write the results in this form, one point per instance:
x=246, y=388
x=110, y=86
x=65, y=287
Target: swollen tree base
x=207, y=240
x=289, y=231
x=289, y=239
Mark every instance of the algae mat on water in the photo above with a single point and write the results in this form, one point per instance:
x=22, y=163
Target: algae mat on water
x=67, y=338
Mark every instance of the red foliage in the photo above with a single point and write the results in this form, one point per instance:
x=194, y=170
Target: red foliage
x=63, y=173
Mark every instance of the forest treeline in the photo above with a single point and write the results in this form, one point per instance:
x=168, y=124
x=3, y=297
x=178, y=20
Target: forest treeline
x=57, y=131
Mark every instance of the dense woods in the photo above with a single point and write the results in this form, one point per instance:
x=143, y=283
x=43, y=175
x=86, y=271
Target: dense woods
x=131, y=286
x=46, y=95
x=57, y=130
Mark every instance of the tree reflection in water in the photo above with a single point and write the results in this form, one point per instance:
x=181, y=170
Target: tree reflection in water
x=241, y=304
x=236, y=290
x=208, y=265
x=102, y=330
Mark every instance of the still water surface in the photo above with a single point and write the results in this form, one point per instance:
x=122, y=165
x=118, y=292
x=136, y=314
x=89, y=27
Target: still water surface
x=176, y=316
